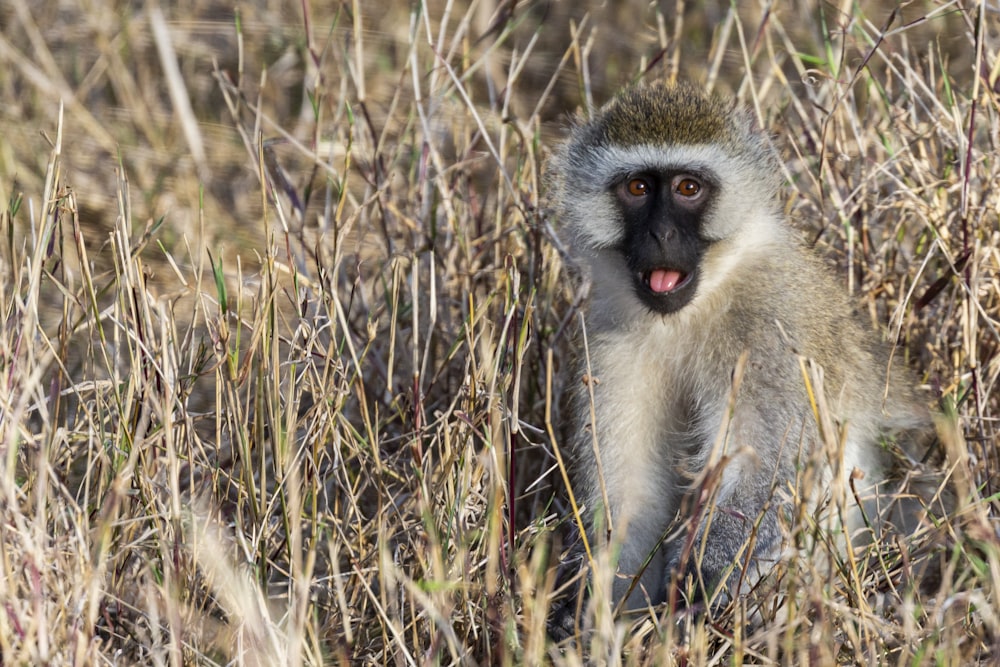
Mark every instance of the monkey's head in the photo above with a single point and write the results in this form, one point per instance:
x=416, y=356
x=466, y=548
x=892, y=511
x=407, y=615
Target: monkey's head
x=678, y=183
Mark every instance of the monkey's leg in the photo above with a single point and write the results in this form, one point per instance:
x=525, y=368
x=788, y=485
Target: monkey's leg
x=735, y=538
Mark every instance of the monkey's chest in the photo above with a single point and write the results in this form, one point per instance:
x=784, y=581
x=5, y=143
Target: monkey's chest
x=649, y=428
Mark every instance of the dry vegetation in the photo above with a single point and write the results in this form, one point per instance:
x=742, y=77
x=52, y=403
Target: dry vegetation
x=286, y=326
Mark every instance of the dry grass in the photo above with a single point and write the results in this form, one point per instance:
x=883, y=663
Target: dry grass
x=286, y=326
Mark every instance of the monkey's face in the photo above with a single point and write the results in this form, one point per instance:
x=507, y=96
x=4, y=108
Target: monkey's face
x=670, y=189
x=662, y=212
x=674, y=221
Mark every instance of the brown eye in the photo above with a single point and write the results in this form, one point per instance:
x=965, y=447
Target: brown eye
x=687, y=187
x=637, y=187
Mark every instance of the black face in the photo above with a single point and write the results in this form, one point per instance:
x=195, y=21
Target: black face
x=664, y=213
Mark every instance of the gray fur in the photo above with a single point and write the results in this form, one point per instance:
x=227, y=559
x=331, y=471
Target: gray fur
x=662, y=383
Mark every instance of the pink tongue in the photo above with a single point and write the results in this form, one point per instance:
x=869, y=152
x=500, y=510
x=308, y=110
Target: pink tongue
x=664, y=280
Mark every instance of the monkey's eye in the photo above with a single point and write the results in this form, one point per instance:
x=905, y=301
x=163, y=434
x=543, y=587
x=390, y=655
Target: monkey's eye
x=637, y=187
x=686, y=186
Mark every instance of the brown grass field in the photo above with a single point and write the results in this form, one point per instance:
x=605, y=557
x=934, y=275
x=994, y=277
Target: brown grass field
x=287, y=324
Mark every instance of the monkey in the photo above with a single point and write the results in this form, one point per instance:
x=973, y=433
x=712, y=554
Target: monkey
x=706, y=313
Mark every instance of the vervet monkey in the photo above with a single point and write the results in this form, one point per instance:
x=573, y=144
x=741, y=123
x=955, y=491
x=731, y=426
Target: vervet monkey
x=706, y=315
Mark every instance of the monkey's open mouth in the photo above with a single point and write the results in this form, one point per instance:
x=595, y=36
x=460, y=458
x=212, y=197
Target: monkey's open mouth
x=664, y=281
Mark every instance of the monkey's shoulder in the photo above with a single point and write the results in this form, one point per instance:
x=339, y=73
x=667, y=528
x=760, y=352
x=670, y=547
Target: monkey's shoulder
x=797, y=309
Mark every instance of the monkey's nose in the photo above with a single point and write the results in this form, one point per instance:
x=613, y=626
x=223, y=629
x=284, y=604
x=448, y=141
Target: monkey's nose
x=664, y=235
